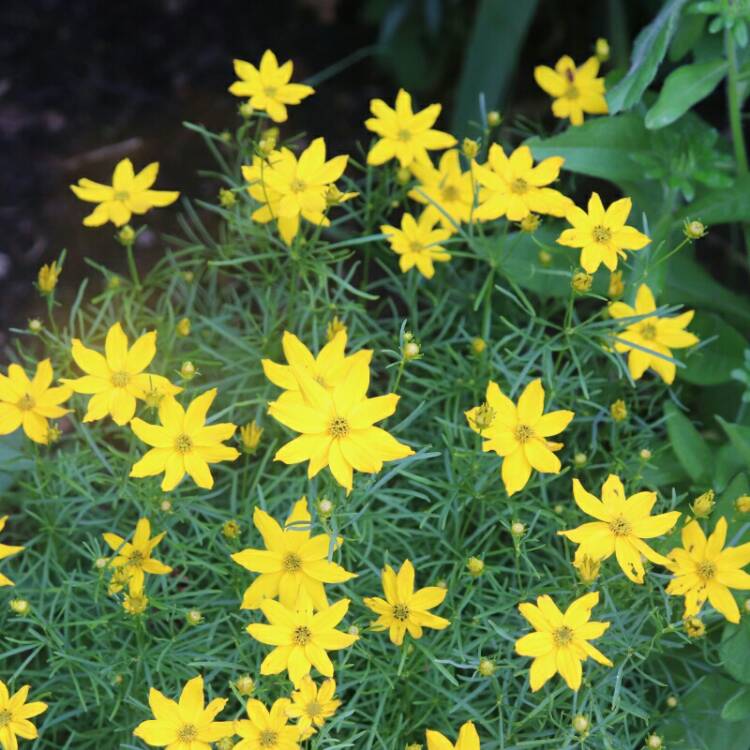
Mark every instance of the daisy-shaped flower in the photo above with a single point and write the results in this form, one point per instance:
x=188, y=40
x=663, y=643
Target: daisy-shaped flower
x=30, y=403
x=403, y=608
x=128, y=194
x=292, y=562
x=134, y=557
x=338, y=428
x=621, y=526
x=417, y=243
x=404, y=134
x=602, y=235
x=6, y=550
x=468, y=739
x=15, y=713
x=512, y=186
x=519, y=433
x=328, y=368
x=650, y=341
x=448, y=187
x=187, y=725
x=575, y=91
x=707, y=569
x=267, y=730
x=183, y=443
x=269, y=87
x=301, y=638
x=561, y=641
x=116, y=379
x=312, y=705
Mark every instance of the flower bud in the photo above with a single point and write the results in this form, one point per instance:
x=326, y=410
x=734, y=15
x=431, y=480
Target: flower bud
x=183, y=327
x=126, y=235
x=694, y=627
x=694, y=230
x=166, y=506
x=587, y=568
x=194, y=617
x=101, y=563
x=403, y=176
x=478, y=345
x=325, y=507
x=230, y=529
x=486, y=667
x=20, y=606
x=483, y=416
x=227, y=198
x=654, y=742
x=353, y=630
x=475, y=566
x=35, y=325
x=245, y=685
x=619, y=410
x=250, y=435
x=517, y=529
x=470, y=148
x=742, y=504
x=187, y=371
x=529, y=224
x=580, y=724
x=645, y=454
x=601, y=49
x=545, y=258
x=494, y=118
x=581, y=282
x=703, y=504
x=672, y=701
x=47, y=277
x=334, y=327
x=616, y=284
x=580, y=459
x=246, y=110
x=411, y=350
x=135, y=603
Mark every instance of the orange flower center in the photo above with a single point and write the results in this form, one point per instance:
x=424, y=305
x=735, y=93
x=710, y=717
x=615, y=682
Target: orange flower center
x=120, y=379
x=400, y=612
x=26, y=403
x=519, y=186
x=302, y=635
x=620, y=526
x=523, y=433
x=183, y=443
x=338, y=428
x=706, y=570
x=187, y=733
x=292, y=563
x=268, y=738
x=601, y=234
x=562, y=636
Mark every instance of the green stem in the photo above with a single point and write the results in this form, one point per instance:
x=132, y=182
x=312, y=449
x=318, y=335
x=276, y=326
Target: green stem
x=131, y=265
x=735, y=112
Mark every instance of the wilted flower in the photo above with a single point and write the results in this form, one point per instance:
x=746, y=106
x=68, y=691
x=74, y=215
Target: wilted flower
x=618, y=410
x=48, y=276
x=581, y=282
x=616, y=284
x=250, y=435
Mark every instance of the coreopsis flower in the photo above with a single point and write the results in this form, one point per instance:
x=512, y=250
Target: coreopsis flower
x=338, y=427
x=404, y=134
x=403, y=608
x=128, y=194
x=187, y=725
x=250, y=435
x=268, y=87
x=301, y=638
x=30, y=403
x=116, y=379
x=293, y=561
x=620, y=527
x=656, y=336
x=135, y=601
x=575, y=90
x=417, y=243
x=291, y=189
x=312, y=705
x=183, y=443
x=602, y=235
x=706, y=569
x=134, y=557
x=561, y=641
x=267, y=730
x=47, y=277
x=447, y=187
x=468, y=739
x=6, y=550
x=519, y=433
x=15, y=713
x=513, y=187
x=328, y=368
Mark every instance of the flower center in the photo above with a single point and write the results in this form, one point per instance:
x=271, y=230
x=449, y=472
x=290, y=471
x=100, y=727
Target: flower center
x=523, y=433
x=187, y=733
x=292, y=563
x=26, y=403
x=602, y=234
x=620, y=526
x=519, y=186
x=572, y=92
x=270, y=91
x=706, y=570
x=416, y=247
x=648, y=331
x=450, y=193
x=136, y=558
x=338, y=428
x=5, y=718
x=400, y=612
x=122, y=195
x=267, y=738
x=120, y=379
x=297, y=185
x=183, y=443
x=562, y=636
x=302, y=635
x=314, y=709
x=404, y=135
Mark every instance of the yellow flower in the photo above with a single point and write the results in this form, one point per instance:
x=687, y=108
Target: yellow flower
x=575, y=91
x=187, y=725
x=587, y=568
x=183, y=443
x=117, y=379
x=448, y=187
x=48, y=276
x=338, y=427
x=290, y=189
x=621, y=526
x=245, y=685
x=268, y=86
x=328, y=368
x=30, y=403
x=312, y=705
x=581, y=282
x=706, y=569
x=135, y=557
x=417, y=243
x=404, y=134
x=231, y=529
x=513, y=187
x=267, y=730
x=561, y=641
x=618, y=410
x=129, y=194
x=6, y=550
x=518, y=433
x=616, y=284
x=404, y=608
x=334, y=327
x=468, y=739
x=302, y=639
x=15, y=713
x=652, y=338
x=250, y=435
x=293, y=561
x=135, y=602
x=602, y=235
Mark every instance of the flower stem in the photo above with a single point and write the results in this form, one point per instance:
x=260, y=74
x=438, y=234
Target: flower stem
x=131, y=265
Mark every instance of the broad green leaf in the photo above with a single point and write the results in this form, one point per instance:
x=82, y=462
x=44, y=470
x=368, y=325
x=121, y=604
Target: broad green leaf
x=735, y=650
x=739, y=436
x=713, y=364
x=492, y=53
x=721, y=205
x=648, y=52
x=682, y=89
x=689, y=31
x=691, y=449
x=737, y=707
